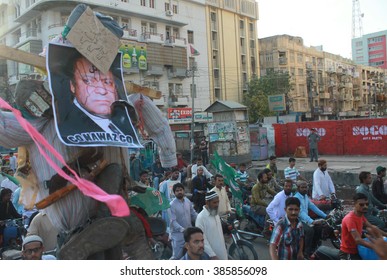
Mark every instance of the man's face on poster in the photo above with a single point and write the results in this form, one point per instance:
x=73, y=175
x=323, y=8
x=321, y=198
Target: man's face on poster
x=93, y=90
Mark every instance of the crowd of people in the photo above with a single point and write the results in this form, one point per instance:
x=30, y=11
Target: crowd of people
x=196, y=230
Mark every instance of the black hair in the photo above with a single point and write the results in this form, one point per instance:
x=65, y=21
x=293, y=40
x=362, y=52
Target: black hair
x=363, y=175
x=266, y=170
x=218, y=176
x=292, y=201
x=260, y=175
x=358, y=196
x=189, y=231
x=143, y=172
x=4, y=192
x=272, y=157
x=292, y=159
x=177, y=185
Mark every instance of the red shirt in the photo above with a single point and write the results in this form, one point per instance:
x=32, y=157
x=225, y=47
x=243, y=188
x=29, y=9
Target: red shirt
x=349, y=223
x=181, y=163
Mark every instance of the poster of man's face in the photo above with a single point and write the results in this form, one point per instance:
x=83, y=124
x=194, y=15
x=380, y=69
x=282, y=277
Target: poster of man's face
x=90, y=107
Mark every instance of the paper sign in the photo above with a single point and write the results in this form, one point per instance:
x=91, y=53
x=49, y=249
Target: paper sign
x=94, y=41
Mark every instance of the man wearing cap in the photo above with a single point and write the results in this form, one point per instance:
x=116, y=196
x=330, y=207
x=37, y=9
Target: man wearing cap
x=209, y=222
x=313, y=139
x=323, y=187
x=33, y=249
x=378, y=185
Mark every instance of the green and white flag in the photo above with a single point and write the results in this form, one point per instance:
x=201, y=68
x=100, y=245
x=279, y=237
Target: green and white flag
x=229, y=173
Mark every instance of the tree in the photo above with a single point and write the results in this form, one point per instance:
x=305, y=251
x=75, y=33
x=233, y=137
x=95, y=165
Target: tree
x=256, y=98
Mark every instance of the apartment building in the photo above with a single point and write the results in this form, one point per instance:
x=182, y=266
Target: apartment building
x=232, y=47
x=325, y=86
x=162, y=31
x=223, y=32
x=370, y=49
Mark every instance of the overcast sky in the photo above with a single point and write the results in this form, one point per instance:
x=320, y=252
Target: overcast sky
x=320, y=22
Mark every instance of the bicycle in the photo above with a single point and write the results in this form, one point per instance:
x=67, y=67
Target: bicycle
x=240, y=249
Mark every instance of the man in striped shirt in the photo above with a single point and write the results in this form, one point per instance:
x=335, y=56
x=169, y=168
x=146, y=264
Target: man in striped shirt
x=291, y=172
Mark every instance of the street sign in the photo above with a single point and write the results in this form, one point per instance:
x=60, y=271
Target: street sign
x=277, y=103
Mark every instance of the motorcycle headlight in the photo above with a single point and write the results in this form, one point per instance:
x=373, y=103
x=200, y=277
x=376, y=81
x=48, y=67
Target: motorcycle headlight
x=236, y=224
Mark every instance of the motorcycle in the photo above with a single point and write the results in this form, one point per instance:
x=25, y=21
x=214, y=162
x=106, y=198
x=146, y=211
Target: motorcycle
x=332, y=227
x=161, y=247
x=239, y=249
x=252, y=225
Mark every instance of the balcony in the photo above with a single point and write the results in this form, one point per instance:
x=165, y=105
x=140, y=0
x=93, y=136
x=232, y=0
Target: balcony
x=176, y=41
x=176, y=100
x=324, y=95
x=151, y=37
x=180, y=73
x=154, y=70
x=283, y=61
x=130, y=34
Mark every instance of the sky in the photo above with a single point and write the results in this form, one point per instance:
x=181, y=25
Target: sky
x=320, y=22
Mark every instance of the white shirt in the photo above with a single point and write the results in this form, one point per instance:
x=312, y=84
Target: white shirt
x=211, y=226
x=12, y=163
x=322, y=184
x=224, y=202
x=194, y=170
x=276, y=208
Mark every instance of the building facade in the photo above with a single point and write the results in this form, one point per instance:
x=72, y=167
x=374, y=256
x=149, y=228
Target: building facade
x=370, y=49
x=325, y=86
x=232, y=47
x=223, y=32
x=162, y=31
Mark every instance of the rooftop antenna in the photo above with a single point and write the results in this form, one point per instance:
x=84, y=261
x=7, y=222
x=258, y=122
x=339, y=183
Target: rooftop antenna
x=357, y=24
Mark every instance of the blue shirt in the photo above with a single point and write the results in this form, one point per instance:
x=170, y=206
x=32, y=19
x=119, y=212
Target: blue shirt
x=307, y=205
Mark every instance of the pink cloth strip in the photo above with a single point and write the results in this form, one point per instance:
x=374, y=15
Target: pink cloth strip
x=116, y=204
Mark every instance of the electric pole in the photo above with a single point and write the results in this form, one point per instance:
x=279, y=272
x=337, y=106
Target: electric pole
x=193, y=93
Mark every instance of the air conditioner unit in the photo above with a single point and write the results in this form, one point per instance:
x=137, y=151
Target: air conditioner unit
x=169, y=13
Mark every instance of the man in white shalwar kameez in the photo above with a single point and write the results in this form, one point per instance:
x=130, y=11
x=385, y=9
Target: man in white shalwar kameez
x=209, y=222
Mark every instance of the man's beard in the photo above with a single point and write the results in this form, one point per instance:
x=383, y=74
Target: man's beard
x=287, y=193
x=213, y=212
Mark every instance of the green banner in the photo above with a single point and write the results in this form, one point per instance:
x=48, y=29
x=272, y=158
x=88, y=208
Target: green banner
x=151, y=201
x=229, y=173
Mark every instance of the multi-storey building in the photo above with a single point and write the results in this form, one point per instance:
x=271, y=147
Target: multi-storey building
x=162, y=30
x=371, y=49
x=232, y=47
x=222, y=31
x=325, y=85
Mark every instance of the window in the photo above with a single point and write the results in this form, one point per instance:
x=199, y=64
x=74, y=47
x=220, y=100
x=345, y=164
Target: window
x=152, y=4
x=190, y=35
x=166, y=6
x=144, y=27
x=174, y=9
x=252, y=44
x=143, y=3
x=125, y=22
x=251, y=26
x=241, y=24
x=299, y=57
x=125, y=1
x=2, y=17
x=17, y=10
x=300, y=72
x=191, y=62
x=213, y=17
x=153, y=28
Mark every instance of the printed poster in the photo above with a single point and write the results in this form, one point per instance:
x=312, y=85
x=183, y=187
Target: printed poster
x=90, y=107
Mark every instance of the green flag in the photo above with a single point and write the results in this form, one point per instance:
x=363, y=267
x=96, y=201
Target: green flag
x=229, y=173
x=151, y=201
